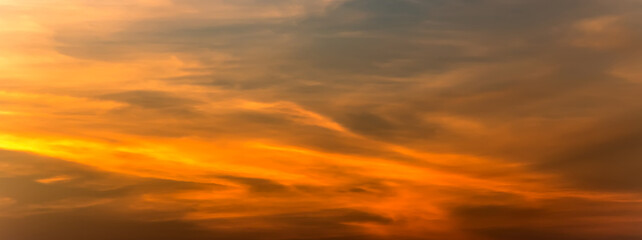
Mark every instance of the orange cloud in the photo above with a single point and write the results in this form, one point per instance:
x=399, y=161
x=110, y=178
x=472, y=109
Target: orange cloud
x=349, y=119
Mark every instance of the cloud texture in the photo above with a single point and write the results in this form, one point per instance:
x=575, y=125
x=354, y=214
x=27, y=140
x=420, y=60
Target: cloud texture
x=320, y=119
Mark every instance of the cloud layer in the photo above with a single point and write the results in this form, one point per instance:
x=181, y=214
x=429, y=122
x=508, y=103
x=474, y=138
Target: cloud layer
x=328, y=119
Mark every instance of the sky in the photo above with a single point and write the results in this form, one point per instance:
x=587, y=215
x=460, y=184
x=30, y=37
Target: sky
x=320, y=119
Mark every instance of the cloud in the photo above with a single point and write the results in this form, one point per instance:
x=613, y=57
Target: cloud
x=259, y=185
x=104, y=201
x=86, y=224
x=604, y=156
x=561, y=219
x=351, y=119
x=151, y=99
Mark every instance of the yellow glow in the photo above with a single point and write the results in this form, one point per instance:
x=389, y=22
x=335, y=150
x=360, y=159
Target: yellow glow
x=54, y=179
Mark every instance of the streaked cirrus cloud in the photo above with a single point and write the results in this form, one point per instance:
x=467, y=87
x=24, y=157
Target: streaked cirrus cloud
x=324, y=119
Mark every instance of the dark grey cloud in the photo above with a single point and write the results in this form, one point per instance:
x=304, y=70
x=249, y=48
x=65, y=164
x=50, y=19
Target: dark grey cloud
x=258, y=185
x=90, y=224
x=558, y=219
x=163, y=103
x=605, y=156
x=151, y=99
x=304, y=225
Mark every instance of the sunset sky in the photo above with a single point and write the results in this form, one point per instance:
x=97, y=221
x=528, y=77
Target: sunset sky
x=321, y=119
